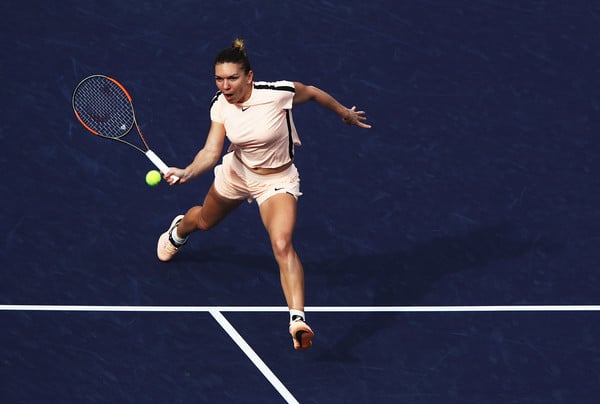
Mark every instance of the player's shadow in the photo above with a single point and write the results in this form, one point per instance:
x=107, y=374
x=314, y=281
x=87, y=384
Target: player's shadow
x=392, y=279
x=403, y=278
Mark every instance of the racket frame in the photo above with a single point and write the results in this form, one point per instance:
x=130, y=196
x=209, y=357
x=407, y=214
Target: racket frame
x=153, y=157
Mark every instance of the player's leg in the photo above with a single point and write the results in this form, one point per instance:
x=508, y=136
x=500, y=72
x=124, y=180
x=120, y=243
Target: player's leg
x=278, y=214
x=214, y=209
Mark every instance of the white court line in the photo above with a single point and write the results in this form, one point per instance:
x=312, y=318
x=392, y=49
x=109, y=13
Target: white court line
x=258, y=362
x=216, y=312
x=321, y=309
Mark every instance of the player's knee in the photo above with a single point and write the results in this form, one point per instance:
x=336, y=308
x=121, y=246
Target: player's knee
x=199, y=219
x=203, y=224
x=282, y=246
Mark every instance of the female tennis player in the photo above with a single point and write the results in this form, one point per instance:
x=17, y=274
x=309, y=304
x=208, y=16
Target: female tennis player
x=256, y=118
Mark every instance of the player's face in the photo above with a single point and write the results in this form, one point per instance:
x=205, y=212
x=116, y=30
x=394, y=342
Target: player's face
x=233, y=82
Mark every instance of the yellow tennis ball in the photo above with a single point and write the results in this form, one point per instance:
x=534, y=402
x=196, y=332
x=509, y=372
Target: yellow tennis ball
x=153, y=178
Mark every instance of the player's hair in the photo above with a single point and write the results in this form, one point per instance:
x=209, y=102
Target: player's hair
x=235, y=54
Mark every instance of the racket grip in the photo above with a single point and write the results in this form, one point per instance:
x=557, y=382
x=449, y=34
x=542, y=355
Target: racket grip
x=159, y=163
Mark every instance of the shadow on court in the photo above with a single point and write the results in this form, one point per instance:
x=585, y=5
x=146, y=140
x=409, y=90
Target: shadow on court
x=477, y=185
x=403, y=279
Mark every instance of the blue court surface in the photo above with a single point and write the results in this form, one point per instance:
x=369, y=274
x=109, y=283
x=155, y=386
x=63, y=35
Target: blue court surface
x=451, y=252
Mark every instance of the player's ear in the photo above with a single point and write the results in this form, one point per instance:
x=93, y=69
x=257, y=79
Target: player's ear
x=250, y=76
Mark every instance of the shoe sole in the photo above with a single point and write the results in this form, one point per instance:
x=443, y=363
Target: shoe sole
x=303, y=338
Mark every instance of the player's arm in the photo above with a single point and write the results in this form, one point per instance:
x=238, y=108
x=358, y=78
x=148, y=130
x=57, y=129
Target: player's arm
x=205, y=159
x=350, y=116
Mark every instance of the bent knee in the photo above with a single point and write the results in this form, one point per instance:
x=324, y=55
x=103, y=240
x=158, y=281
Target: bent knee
x=201, y=222
x=282, y=246
x=204, y=224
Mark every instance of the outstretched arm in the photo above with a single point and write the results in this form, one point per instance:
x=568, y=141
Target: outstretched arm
x=204, y=160
x=350, y=116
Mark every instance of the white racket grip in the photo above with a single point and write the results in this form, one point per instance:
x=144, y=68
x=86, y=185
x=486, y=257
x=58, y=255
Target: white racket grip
x=159, y=164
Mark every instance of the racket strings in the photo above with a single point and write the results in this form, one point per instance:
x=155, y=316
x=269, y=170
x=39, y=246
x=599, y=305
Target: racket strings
x=104, y=107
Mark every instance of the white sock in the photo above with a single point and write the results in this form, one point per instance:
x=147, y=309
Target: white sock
x=176, y=237
x=298, y=313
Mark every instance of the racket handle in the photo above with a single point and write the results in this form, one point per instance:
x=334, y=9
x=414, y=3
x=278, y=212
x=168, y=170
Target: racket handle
x=159, y=163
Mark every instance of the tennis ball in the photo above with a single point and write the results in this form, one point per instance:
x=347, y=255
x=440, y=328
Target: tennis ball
x=153, y=178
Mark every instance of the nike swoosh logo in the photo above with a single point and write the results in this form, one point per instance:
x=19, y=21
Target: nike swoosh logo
x=244, y=108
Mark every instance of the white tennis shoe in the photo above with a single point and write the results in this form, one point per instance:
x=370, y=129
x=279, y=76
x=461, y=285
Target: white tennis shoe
x=167, y=247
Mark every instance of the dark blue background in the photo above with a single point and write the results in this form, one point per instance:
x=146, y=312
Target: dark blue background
x=477, y=185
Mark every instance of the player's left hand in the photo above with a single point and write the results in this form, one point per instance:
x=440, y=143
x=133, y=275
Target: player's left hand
x=354, y=117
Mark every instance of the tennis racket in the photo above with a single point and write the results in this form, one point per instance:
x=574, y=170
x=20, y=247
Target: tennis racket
x=105, y=108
